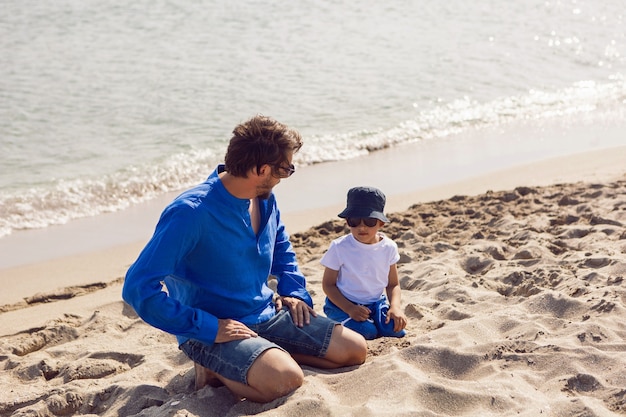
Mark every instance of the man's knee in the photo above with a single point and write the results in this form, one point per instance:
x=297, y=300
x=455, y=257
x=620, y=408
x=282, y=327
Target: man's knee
x=360, y=351
x=350, y=345
x=275, y=374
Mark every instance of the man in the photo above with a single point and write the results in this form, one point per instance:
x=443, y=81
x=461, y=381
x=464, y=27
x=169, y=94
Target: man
x=214, y=248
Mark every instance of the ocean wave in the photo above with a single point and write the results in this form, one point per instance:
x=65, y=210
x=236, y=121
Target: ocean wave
x=65, y=200
x=462, y=114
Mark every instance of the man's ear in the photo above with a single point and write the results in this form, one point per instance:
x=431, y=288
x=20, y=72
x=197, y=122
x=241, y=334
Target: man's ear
x=265, y=170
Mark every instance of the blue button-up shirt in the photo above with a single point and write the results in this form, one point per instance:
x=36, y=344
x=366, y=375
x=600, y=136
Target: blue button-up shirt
x=213, y=264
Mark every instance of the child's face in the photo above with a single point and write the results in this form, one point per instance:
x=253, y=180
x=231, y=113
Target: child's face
x=364, y=233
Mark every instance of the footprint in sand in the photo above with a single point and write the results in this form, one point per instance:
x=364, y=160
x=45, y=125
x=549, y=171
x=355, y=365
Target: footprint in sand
x=583, y=383
x=37, y=339
x=100, y=365
x=475, y=265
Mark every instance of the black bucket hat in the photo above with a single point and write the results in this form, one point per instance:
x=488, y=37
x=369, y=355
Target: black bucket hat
x=365, y=202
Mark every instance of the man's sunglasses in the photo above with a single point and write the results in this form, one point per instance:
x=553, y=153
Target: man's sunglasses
x=285, y=172
x=356, y=221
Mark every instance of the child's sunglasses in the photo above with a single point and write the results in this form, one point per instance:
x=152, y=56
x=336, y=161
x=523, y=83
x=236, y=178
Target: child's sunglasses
x=356, y=221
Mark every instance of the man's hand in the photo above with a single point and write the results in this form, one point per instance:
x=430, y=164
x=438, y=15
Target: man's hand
x=300, y=311
x=229, y=330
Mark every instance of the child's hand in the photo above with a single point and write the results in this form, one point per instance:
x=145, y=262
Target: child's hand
x=359, y=313
x=399, y=319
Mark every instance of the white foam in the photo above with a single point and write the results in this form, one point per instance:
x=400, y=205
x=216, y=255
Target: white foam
x=66, y=200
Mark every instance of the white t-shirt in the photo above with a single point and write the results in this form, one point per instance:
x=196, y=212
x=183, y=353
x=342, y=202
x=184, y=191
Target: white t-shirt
x=363, y=269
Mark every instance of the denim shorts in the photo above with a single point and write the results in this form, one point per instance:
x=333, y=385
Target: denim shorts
x=233, y=359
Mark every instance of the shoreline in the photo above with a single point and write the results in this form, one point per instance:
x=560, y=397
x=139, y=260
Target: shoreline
x=594, y=165
x=421, y=171
x=111, y=262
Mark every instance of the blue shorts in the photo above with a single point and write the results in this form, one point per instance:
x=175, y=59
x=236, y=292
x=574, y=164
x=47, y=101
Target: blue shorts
x=233, y=359
x=372, y=328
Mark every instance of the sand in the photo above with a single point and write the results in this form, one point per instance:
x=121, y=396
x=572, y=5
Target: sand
x=513, y=284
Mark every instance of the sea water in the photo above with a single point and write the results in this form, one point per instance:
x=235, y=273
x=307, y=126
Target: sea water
x=106, y=104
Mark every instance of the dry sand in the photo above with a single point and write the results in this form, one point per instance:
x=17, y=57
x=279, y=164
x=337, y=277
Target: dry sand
x=516, y=302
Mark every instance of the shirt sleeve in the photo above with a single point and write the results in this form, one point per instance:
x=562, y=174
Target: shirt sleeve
x=175, y=235
x=331, y=258
x=291, y=281
x=394, y=254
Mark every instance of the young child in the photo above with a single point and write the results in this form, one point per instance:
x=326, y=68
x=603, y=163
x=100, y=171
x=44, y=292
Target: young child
x=360, y=277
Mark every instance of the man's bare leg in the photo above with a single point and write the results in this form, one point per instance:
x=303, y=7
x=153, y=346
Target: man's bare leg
x=273, y=374
x=205, y=376
x=346, y=348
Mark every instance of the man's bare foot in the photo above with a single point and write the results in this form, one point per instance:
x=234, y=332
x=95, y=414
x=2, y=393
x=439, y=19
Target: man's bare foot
x=205, y=376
